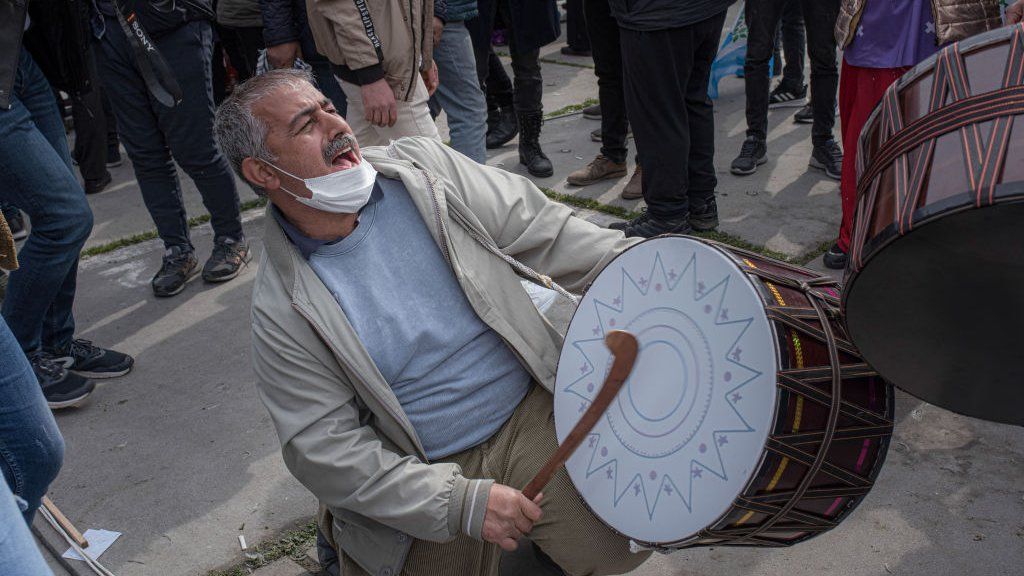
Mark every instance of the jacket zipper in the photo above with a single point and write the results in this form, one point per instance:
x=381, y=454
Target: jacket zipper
x=415, y=53
x=442, y=232
x=383, y=401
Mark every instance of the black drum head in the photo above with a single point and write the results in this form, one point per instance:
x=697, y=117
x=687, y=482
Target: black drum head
x=939, y=312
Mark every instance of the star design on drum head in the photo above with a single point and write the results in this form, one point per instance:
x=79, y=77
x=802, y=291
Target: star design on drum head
x=651, y=488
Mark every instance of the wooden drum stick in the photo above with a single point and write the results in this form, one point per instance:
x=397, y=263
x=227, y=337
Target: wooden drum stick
x=625, y=348
x=65, y=523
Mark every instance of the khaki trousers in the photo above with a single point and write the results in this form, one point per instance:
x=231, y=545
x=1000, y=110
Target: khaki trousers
x=568, y=532
x=413, y=117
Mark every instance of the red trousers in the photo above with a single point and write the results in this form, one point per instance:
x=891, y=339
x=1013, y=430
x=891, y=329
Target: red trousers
x=860, y=89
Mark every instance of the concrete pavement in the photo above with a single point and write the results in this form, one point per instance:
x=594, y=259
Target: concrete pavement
x=181, y=457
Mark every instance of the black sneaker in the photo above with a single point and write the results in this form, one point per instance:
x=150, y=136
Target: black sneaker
x=16, y=222
x=180, y=266
x=835, y=258
x=804, y=115
x=704, y=217
x=592, y=112
x=752, y=154
x=62, y=389
x=787, y=97
x=86, y=359
x=227, y=260
x=97, y=186
x=828, y=157
x=644, y=226
x=114, y=158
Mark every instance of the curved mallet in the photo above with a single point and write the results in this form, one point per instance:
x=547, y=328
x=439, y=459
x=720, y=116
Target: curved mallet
x=624, y=348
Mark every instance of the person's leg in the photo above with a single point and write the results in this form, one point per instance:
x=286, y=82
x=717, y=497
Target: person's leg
x=31, y=447
x=365, y=133
x=529, y=89
x=576, y=33
x=459, y=92
x=35, y=167
x=503, y=125
x=18, y=552
x=762, y=22
x=604, y=34
x=701, y=177
x=794, y=44
x=657, y=66
x=91, y=147
x=568, y=532
x=145, y=143
x=414, y=117
x=821, y=45
x=113, y=142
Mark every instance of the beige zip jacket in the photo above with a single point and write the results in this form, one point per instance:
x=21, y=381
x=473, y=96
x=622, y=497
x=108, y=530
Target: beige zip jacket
x=342, y=431
x=390, y=39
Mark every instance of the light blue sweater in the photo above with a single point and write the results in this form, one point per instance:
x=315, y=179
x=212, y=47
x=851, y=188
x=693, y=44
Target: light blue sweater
x=455, y=377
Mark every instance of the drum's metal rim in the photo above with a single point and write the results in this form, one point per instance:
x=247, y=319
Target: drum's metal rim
x=775, y=405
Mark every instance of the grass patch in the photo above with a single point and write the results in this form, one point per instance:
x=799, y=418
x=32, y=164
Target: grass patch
x=150, y=235
x=571, y=109
x=292, y=544
x=620, y=212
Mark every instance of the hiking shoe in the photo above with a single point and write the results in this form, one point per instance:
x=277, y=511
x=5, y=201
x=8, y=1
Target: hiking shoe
x=595, y=134
x=593, y=112
x=835, y=258
x=805, y=115
x=634, y=189
x=227, y=260
x=787, y=97
x=180, y=266
x=86, y=359
x=644, y=226
x=704, y=217
x=752, y=154
x=530, y=153
x=828, y=157
x=600, y=168
x=62, y=389
x=16, y=222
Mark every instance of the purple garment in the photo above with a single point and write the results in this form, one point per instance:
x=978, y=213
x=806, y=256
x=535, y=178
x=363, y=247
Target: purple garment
x=893, y=33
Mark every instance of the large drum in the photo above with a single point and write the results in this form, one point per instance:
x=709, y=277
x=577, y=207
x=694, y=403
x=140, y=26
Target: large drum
x=935, y=286
x=748, y=419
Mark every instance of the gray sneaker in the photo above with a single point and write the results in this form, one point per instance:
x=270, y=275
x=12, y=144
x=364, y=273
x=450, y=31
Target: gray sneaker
x=179, y=266
x=592, y=112
x=752, y=154
x=227, y=260
x=62, y=388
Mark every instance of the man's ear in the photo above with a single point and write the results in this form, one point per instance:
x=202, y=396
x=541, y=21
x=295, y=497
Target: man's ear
x=258, y=173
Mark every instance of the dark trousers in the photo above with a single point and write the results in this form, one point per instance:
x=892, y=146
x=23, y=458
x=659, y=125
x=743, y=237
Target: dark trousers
x=156, y=136
x=243, y=48
x=529, y=87
x=604, y=46
x=791, y=38
x=577, y=34
x=95, y=132
x=494, y=80
x=820, y=19
x=666, y=77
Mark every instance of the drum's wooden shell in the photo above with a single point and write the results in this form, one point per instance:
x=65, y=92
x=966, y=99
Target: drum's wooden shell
x=932, y=294
x=785, y=502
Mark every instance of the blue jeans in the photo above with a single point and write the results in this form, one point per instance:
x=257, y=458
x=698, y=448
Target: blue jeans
x=36, y=176
x=18, y=553
x=459, y=93
x=31, y=447
x=152, y=133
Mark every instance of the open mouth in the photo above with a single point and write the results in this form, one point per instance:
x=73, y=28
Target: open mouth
x=345, y=158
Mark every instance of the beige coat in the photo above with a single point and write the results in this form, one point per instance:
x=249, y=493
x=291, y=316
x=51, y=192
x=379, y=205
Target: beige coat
x=342, y=431
x=396, y=35
x=954, y=19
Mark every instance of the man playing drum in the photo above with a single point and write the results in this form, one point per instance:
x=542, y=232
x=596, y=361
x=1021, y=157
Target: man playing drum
x=405, y=368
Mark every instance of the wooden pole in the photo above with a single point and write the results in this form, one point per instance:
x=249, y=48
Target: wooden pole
x=65, y=523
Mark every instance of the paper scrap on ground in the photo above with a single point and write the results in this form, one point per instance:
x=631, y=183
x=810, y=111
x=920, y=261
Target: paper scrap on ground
x=99, y=541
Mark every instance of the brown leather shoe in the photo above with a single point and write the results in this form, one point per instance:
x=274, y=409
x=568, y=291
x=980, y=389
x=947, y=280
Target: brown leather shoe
x=600, y=168
x=634, y=188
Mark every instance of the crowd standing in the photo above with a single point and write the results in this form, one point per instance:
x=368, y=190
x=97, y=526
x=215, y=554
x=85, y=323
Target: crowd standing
x=389, y=68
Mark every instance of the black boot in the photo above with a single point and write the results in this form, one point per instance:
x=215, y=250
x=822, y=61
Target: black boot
x=505, y=128
x=530, y=153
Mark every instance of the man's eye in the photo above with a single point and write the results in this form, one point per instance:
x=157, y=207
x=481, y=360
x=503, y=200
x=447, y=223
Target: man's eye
x=332, y=111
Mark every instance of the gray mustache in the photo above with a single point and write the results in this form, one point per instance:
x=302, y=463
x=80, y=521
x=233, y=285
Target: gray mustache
x=337, y=145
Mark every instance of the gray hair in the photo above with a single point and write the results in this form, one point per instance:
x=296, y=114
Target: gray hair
x=242, y=134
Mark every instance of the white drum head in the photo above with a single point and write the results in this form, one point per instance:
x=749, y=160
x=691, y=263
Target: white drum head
x=688, y=428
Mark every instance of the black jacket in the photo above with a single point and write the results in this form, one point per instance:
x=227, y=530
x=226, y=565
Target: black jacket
x=535, y=23
x=12, y=23
x=665, y=14
x=285, y=21
x=158, y=17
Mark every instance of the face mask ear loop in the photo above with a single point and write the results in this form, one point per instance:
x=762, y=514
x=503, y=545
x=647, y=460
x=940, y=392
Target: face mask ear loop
x=279, y=169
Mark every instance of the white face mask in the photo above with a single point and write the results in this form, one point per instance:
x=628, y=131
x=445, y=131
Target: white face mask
x=344, y=192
